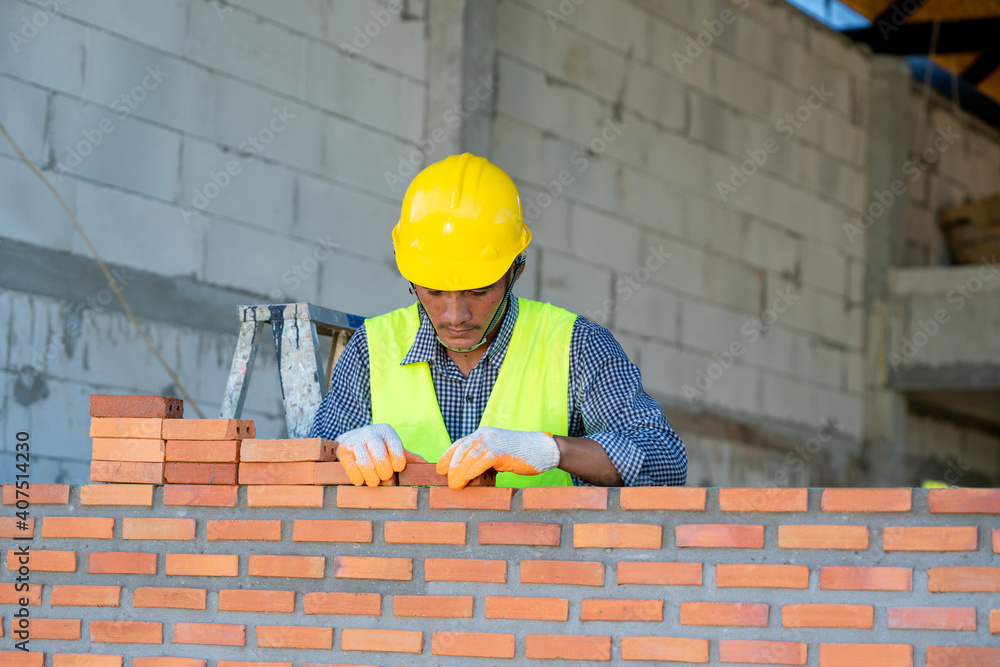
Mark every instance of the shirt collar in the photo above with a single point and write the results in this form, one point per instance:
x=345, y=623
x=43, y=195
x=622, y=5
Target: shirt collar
x=427, y=348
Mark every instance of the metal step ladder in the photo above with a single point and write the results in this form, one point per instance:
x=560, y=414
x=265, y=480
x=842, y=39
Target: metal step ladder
x=296, y=328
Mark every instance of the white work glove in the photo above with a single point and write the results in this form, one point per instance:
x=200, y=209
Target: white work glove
x=521, y=452
x=372, y=453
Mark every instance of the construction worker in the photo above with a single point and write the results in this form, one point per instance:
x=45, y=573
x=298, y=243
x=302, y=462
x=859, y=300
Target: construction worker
x=475, y=379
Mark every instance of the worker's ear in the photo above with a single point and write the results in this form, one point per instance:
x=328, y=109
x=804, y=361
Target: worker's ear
x=518, y=269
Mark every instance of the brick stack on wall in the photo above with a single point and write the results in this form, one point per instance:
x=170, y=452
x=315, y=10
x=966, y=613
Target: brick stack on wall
x=130, y=574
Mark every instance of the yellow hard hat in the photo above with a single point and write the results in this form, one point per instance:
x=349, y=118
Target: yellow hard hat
x=461, y=225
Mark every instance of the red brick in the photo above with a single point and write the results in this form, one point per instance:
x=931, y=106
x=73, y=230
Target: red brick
x=285, y=496
x=287, y=636
x=994, y=621
x=964, y=501
x=730, y=536
x=53, y=628
x=764, y=500
x=471, y=498
x=9, y=527
x=121, y=562
x=98, y=528
x=520, y=533
x=432, y=606
x=424, y=532
x=930, y=538
x=128, y=449
x=332, y=530
x=823, y=537
x=761, y=576
x=932, y=618
x=564, y=498
x=157, y=529
x=472, y=644
x=378, y=497
x=828, y=616
x=200, y=473
x=128, y=472
x=851, y=578
x=126, y=427
x=208, y=429
x=288, y=450
x=203, y=451
x=621, y=610
x=996, y=540
x=200, y=495
x=354, y=604
x=166, y=661
x=117, y=494
x=743, y=614
x=10, y=595
x=215, y=634
x=300, y=473
x=526, y=608
x=37, y=494
x=663, y=498
x=86, y=660
x=202, y=565
x=759, y=652
x=392, y=641
x=963, y=656
x=373, y=567
x=169, y=598
x=44, y=561
x=674, y=649
x=866, y=655
x=126, y=632
x=963, y=579
x=659, y=574
x=465, y=569
x=332, y=473
x=578, y=573
x=567, y=647
x=867, y=500
x=299, y=567
x=282, y=602
x=425, y=474
x=149, y=407
x=617, y=536
x=64, y=595
x=257, y=530
x=22, y=659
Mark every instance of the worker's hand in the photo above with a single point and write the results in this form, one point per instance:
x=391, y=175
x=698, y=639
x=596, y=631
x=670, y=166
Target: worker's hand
x=521, y=452
x=372, y=453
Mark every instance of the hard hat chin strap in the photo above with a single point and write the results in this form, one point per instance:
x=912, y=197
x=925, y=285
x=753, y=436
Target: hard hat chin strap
x=496, y=316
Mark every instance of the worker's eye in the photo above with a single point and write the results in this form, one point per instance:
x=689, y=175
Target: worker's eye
x=433, y=292
x=481, y=292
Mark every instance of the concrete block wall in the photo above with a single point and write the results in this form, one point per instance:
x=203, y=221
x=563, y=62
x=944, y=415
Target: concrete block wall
x=154, y=576
x=238, y=145
x=625, y=134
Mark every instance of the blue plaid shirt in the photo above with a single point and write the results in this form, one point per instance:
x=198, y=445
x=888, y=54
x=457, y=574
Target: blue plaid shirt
x=606, y=399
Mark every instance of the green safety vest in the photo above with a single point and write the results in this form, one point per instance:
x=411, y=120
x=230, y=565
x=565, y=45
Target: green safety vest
x=530, y=394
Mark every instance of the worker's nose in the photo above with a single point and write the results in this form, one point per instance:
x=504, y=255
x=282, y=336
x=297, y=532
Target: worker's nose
x=456, y=309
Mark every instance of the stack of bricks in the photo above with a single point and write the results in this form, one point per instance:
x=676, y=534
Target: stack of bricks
x=125, y=575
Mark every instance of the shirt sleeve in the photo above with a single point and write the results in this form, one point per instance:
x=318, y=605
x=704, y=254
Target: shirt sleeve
x=618, y=414
x=348, y=404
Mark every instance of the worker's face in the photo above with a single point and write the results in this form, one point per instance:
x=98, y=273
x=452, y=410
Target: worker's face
x=461, y=317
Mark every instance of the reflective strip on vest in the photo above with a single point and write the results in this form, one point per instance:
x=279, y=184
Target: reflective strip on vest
x=531, y=392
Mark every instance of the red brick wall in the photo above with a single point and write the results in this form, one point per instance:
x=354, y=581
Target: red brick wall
x=123, y=574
